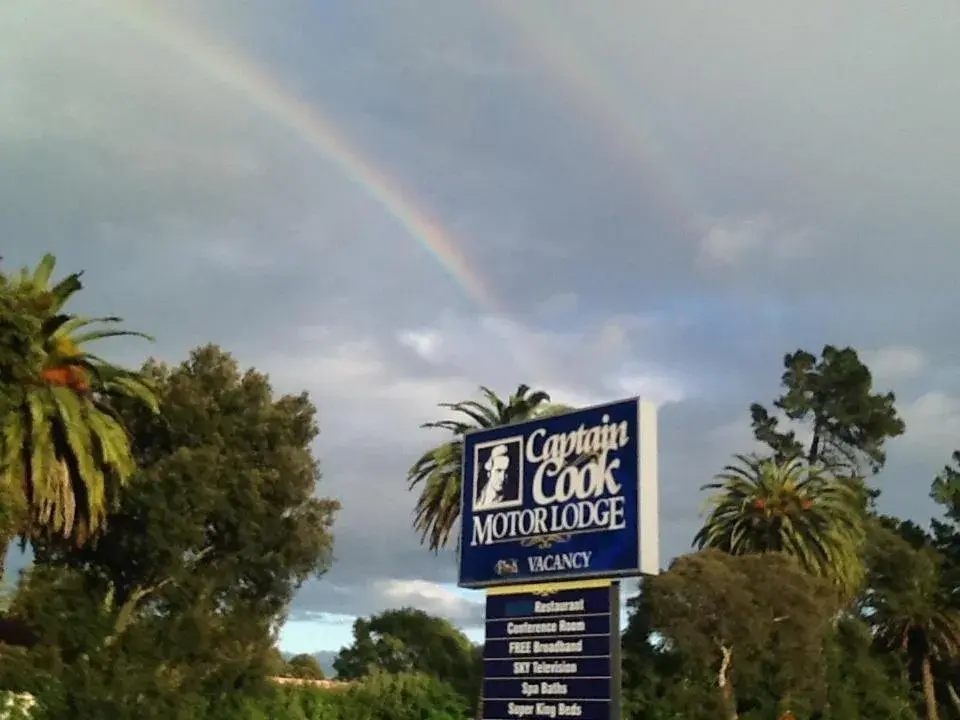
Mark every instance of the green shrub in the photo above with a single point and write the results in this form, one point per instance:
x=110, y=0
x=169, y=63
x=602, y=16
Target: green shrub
x=404, y=697
x=379, y=697
x=282, y=704
x=123, y=693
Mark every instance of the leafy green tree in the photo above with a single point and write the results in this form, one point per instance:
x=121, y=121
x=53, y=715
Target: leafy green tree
x=657, y=682
x=743, y=619
x=789, y=506
x=409, y=640
x=833, y=398
x=304, y=666
x=946, y=487
x=276, y=664
x=437, y=472
x=945, y=491
x=196, y=568
x=863, y=680
x=911, y=608
x=63, y=444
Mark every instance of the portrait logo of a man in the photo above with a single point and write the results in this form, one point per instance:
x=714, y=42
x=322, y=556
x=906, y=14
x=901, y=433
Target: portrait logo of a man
x=498, y=474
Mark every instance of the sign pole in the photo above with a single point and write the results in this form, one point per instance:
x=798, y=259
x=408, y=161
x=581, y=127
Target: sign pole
x=616, y=675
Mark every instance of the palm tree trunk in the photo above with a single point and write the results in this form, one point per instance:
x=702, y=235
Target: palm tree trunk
x=954, y=698
x=5, y=542
x=725, y=682
x=814, y=454
x=929, y=693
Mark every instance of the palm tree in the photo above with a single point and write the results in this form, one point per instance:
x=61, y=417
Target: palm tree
x=437, y=472
x=909, y=606
x=761, y=505
x=63, y=447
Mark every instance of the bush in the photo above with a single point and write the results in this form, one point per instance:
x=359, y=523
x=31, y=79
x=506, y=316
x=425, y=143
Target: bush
x=379, y=697
x=403, y=697
x=304, y=666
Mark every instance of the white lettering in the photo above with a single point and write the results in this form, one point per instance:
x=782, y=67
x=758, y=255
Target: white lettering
x=559, y=606
x=528, y=628
x=492, y=527
x=603, y=514
x=535, y=453
x=593, y=440
x=553, y=668
x=518, y=710
x=557, y=646
x=574, y=488
x=594, y=479
x=560, y=561
x=528, y=689
x=546, y=710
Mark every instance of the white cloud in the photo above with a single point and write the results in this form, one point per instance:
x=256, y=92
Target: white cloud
x=354, y=381
x=896, y=362
x=738, y=241
x=364, y=378
x=326, y=618
x=933, y=422
x=432, y=598
x=737, y=436
x=428, y=344
x=654, y=387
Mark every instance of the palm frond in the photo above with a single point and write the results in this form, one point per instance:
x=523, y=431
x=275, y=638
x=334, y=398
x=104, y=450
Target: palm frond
x=437, y=473
x=66, y=446
x=759, y=505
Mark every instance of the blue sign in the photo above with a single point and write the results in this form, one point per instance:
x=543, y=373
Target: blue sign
x=552, y=655
x=561, y=498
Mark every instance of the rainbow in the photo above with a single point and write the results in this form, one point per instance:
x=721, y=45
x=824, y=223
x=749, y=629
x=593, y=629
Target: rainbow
x=593, y=89
x=262, y=90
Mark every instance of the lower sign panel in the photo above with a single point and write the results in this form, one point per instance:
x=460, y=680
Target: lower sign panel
x=536, y=663
x=537, y=709
x=549, y=688
x=566, y=668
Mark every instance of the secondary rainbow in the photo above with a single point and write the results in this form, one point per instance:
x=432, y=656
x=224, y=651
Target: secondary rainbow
x=548, y=40
x=261, y=89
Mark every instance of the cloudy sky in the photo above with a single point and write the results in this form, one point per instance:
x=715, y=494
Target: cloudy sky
x=390, y=202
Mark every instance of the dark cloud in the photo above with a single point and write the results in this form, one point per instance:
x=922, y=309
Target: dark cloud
x=666, y=198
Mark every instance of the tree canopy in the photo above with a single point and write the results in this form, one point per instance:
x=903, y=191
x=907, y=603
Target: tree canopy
x=411, y=641
x=304, y=666
x=196, y=568
x=64, y=448
x=832, y=398
x=762, y=505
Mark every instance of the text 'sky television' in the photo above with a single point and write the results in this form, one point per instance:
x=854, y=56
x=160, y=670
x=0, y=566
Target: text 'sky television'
x=561, y=498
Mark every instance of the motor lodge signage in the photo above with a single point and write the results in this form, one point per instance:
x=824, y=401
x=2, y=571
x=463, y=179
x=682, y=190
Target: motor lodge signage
x=553, y=655
x=563, y=497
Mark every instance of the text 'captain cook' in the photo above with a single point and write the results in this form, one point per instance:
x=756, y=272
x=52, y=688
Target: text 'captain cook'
x=568, y=496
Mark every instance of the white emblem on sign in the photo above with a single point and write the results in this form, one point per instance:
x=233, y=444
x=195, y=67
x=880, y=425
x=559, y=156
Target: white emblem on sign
x=498, y=474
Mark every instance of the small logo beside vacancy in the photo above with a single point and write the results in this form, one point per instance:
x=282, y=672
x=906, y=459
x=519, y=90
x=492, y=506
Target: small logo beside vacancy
x=498, y=474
